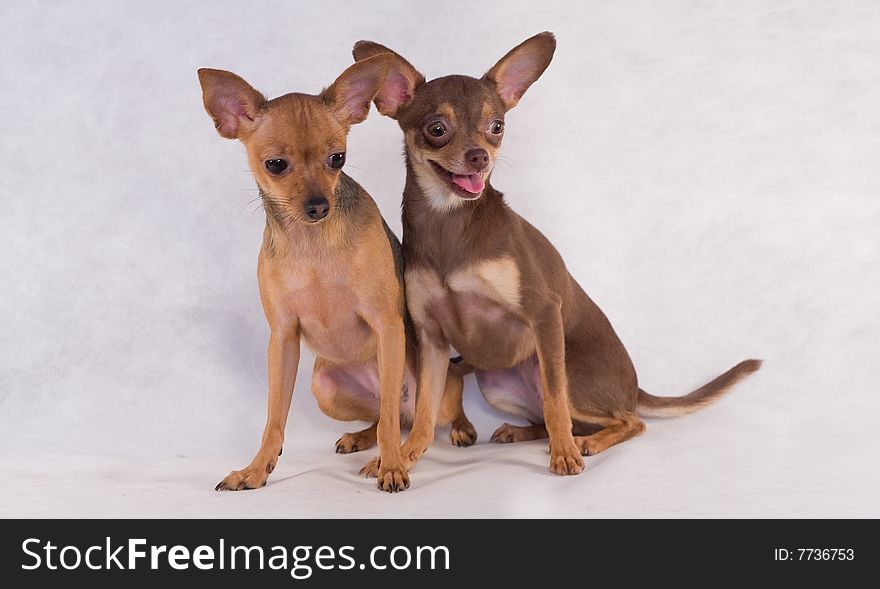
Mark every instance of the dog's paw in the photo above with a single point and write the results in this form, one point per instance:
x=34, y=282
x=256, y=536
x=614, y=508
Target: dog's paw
x=350, y=443
x=566, y=460
x=506, y=434
x=463, y=434
x=371, y=468
x=586, y=446
x=245, y=479
x=393, y=480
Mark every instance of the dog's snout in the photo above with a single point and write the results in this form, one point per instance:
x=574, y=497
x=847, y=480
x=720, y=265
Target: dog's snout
x=478, y=159
x=316, y=208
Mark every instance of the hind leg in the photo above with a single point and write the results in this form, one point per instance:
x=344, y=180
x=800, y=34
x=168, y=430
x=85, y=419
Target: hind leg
x=603, y=392
x=509, y=433
x=614, y=431
x=514, y=391
x=346, y=394
x=463, y=432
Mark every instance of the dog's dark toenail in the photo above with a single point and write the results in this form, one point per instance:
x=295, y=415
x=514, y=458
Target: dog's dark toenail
x=270, y=467
x=354, y=448
x=281, y=451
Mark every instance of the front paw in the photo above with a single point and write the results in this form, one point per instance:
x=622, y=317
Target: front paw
x=393, y=479
x=245, y=479
x=565, y=459
x=408, y=457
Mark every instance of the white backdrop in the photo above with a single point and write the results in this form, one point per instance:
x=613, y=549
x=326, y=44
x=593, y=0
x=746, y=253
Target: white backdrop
x=708, y=170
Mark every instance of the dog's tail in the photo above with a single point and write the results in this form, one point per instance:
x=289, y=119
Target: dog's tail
x=651, y=406
x=460, y=366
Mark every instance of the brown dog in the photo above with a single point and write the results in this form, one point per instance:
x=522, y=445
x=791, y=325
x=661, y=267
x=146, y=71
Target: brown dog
x=481, y=279
x=330, y=270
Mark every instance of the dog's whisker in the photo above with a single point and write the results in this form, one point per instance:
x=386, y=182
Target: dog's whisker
x=251, y=201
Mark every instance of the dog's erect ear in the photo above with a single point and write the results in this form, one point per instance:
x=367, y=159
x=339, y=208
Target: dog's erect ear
x=401, y=83
x=516, y=71
x=351, y=93
x=229, y=100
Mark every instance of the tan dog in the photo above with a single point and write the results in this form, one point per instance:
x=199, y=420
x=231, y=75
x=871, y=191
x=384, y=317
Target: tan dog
x=330, y=270
x=482, y=279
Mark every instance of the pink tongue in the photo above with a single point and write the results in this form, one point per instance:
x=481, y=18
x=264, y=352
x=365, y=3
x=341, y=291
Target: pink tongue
x=473, y=183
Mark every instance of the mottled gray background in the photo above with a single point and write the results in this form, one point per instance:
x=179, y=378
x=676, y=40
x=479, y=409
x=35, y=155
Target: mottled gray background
x=709, y=170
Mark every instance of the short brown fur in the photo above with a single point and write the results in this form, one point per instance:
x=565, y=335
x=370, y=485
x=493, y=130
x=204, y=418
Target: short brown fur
x=482, y=279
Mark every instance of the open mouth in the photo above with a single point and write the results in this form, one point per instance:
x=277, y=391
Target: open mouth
x=468, y=187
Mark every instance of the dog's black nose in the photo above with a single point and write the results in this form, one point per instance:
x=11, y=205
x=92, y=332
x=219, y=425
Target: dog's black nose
x=477, y=158
x=317, y=208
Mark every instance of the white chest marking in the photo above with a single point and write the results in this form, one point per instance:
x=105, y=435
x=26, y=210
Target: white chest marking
x=497, y=279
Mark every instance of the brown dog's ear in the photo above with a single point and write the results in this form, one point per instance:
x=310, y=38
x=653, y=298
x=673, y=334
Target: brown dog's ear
x=401, y=83
x=351, y=93
x=229, y=100
x=516, y=71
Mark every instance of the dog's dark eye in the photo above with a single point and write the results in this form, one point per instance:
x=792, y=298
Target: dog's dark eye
x=497, y=127
x=337, y=160
x=276, y=166
x=437, y=129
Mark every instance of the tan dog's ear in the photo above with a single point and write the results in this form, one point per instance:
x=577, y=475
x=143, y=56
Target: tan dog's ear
x=350, y=95
x=516, y=71
x=401, y=83
x=230, y=101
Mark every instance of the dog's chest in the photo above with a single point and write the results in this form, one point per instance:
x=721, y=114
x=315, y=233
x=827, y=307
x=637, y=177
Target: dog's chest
x=327, y=310
x=475, y=309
